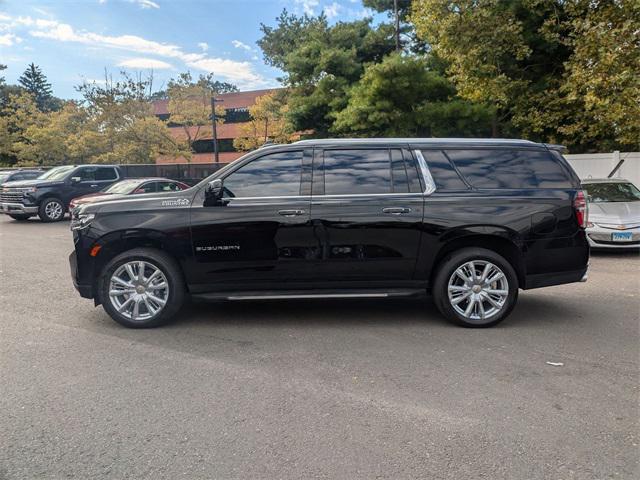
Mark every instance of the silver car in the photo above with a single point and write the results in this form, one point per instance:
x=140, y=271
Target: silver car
x=614, y=213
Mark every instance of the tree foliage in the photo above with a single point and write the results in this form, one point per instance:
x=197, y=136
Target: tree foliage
x=114, y=123
x=268, y=123
x=35, y=83
x=206, y=81
x=401, y=97
x=560, y=71
x=190, y=107
x=321, y=62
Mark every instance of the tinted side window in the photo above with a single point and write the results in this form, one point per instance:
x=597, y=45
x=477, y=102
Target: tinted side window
x=30, y=175
x=86, y=174
x=274, y=175
x=106, y=174
x=442, y=171
x=509, y=168
x=399, y=172
x=356, y=172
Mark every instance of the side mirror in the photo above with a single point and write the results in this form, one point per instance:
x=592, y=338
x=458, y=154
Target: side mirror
x=213, y=193
x=215, y=188
x=76, y=179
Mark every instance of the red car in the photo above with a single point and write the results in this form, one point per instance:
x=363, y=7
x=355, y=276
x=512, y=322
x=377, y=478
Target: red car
x=130, y=186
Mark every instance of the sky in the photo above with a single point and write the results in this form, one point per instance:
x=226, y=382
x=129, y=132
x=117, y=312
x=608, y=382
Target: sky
x=76, y=40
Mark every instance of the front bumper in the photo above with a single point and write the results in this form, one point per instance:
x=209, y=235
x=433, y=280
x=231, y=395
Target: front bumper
x=18, y=209
x=602, y=238
x=85, y=290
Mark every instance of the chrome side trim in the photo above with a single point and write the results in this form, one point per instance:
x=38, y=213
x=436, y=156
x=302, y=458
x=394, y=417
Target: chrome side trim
x=310, y=295
x=312, y=197
x=430, y=185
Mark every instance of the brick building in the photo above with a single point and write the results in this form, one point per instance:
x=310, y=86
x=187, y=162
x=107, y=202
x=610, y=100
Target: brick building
x=236, y=107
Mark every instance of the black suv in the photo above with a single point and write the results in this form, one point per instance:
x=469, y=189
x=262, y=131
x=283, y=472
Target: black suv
x=470, y=221
x=49, y=195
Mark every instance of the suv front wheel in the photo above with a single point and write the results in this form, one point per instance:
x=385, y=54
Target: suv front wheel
x=51, y=210
x=475, y=287
x=142, y=288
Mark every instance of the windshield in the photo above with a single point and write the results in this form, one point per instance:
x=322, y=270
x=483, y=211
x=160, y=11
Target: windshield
x=125, y=186
x=56, y=173
x=612, y=192
x=3, y=177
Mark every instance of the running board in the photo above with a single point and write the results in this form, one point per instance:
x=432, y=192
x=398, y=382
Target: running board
x=294, y=295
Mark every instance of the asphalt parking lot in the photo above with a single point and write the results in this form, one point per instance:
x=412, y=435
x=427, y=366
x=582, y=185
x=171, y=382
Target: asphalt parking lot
x=310, y=389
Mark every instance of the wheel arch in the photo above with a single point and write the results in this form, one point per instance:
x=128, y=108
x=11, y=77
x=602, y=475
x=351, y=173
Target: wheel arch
x=500, y=242
x=118, y=242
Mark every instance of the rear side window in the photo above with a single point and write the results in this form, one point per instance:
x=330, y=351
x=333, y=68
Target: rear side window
x=357, y=172
x=106, y=174
x=442, y=171
x=399, y=173
x=509, y=168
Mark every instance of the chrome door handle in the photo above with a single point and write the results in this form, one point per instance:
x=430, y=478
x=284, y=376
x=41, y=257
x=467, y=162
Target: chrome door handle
x=95, y=185
x=290, y=213
x=396, y=210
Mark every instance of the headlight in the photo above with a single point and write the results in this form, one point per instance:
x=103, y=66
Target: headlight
x=29, y=190
x=81, y=220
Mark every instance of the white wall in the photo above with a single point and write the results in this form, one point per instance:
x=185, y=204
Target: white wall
x=599, y=165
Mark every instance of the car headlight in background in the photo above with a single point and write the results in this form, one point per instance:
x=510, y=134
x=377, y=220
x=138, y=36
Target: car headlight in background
x=81, y=220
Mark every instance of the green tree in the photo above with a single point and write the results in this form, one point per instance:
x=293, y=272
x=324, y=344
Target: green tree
x=401, y=97
x=35, y=82
x=18, y=115
x=522, y=57
x=206, y=81
x=121, y=123
x=190, y=107
x=268, y=123
x=321, y=63
x=603, y=73
x=406, y=36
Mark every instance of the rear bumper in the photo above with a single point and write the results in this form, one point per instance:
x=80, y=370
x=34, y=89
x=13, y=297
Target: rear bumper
x=18, y=209
x=556, y=278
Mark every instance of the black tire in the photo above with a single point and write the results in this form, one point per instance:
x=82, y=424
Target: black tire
x=21, y=216
x=160, y=260
x=51, y=210
x=446, y=271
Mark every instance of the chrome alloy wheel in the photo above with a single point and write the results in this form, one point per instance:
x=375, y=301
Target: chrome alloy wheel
x=478, y=290
x=53, y=210
x=138, y=290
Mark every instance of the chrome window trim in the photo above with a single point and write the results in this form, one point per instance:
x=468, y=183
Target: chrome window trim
x=344, y=195
x=430, y=185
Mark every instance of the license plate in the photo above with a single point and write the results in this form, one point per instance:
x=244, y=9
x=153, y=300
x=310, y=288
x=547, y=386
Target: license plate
x=621, y=236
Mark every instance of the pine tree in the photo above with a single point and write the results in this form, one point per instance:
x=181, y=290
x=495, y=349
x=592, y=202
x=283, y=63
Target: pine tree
x=35, y=82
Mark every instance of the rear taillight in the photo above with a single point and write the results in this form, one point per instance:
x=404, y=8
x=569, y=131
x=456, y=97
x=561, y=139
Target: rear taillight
x=581, y=209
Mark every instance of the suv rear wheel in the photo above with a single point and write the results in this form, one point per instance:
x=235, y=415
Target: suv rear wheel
x=51, y=210
x=142, y=288
x=475, y=287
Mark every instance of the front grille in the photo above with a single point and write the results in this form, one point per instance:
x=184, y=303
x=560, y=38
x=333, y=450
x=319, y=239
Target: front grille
x=12, y=195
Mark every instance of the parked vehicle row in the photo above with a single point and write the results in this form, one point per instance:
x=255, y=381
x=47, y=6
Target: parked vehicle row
x=614, y=213
x=52, y=193
x=469, y=221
